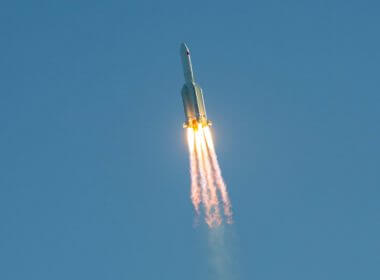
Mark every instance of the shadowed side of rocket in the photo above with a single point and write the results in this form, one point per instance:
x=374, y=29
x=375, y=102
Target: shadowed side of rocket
x=192, y=96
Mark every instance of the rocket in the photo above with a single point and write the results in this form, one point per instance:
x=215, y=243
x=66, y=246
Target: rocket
x=192, y=96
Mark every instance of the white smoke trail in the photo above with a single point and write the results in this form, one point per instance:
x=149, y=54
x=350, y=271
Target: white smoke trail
x=214, y=202
x=218, y=176
x=207, y=187
x=221, y=249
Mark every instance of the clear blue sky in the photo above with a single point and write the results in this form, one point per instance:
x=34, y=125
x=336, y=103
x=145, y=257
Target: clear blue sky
x=93, y=165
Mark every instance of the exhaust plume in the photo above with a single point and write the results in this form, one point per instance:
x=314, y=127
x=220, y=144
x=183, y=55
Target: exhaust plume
x=207, y=184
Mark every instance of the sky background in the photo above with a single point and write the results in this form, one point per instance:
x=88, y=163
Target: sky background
x=94, y=180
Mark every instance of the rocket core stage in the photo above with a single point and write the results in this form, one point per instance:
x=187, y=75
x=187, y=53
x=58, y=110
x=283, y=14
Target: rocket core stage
x=192, y=96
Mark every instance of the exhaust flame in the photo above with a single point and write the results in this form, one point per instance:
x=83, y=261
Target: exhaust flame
x=207, y=184
x=195, y=187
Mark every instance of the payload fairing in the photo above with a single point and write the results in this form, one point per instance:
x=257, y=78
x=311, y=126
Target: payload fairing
x=192, y=96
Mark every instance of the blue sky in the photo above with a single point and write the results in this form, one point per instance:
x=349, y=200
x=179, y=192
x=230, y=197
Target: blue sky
x=93, y=163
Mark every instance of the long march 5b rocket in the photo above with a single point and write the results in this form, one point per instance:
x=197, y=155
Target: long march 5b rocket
x=192, y=96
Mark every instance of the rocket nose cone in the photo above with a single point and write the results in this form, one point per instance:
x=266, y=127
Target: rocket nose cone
x=184, y=49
